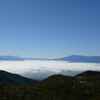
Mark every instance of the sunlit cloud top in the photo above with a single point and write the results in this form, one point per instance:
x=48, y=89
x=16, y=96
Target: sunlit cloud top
x=43, y=69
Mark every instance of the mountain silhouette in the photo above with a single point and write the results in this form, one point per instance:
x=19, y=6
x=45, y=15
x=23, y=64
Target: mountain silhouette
x=72, y=58
x=55, y=87
x=80, y=58
x=88, y=74
x=10, y=78
x=11, y=58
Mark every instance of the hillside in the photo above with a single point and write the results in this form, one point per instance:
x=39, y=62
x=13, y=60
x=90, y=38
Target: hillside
x=55, y=87
x=88, y=74
x=10, y=78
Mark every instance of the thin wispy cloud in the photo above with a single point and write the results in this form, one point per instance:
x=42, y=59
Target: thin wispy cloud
x=43, y=69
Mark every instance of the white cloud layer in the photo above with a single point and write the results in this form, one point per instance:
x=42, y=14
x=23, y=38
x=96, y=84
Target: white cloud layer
x=42, y=69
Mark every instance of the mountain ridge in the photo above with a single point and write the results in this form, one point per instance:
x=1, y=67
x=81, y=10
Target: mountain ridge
x=55, y=87
x=88, y=73
x=72, y=58
x=16, y=79
x=80, y=58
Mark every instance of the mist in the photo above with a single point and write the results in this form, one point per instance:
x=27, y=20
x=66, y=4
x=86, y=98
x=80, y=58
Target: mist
x=40, y=69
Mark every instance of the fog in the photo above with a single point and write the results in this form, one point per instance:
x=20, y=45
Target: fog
x=40, y=69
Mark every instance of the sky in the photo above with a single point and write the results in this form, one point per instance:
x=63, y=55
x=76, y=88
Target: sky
x=49, y=28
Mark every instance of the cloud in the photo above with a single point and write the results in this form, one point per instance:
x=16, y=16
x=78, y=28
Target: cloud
x=44, y=68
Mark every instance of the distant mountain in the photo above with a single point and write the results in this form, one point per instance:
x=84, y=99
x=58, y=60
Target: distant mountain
x=72, y=58
x=79, y=58
x=10, y=78
x=9, y=58
x=17, y=58
x=88, y=73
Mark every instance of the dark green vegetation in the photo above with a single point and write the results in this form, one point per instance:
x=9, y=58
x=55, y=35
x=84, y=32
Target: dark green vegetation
x=10, y=78
x=88, y=74
x=56, y=87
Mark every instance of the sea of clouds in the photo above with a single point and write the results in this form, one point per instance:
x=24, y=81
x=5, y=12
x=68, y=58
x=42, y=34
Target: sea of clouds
x=40, y=69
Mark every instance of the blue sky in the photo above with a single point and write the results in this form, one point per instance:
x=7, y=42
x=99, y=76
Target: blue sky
x=49, y=28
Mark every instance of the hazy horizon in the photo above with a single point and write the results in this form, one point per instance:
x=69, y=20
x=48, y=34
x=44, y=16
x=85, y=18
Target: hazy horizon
x=41, y=58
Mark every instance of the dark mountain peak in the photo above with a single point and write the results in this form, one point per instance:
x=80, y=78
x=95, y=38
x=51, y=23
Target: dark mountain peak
x=57, y=77
x=88, y=73
x=56, y=80
x=10, y=78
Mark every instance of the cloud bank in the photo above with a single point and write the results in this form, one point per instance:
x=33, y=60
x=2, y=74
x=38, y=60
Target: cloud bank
x=39, y=69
